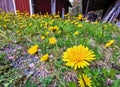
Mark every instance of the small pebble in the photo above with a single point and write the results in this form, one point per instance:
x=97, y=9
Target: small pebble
x=118, y=76
x=31, y=65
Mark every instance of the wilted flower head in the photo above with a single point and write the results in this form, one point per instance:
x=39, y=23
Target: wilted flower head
x=44, y=58
x=52, y=40
x=85, y=79
x=78, y=56
x=109, y=43
x=33, y=49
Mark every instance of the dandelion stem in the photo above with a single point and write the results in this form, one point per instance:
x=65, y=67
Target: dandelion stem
x=60, y=80
x=57, y=47
x=64, y=67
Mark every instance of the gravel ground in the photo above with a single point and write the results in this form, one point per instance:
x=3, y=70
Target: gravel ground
x=28, y=65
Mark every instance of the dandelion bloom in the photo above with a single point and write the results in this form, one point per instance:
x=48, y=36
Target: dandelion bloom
x=44, y=58
x=59, y=32
x=52, y=40
x=76, y=33
x=96, y=22
x=42, y=37
x=53, y=28
x=33, y=49
x=80, y=25
x=4, y=26
x=80, y=17
x=78, y=56
x=87, y=80
x=109, y=43
x=47, y=33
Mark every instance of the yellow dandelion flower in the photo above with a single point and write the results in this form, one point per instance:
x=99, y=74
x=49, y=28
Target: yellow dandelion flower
x=96, y=22
x=33, y=49
x=53, y=28
x=80, y=25
x=59, y=32
x=52, y=40
x=14, y=22
x=105, y=25
x=76, y=33
x=76, y=23
x=4, y=26
x=109, y=43
x=110, y=24
x=78, y=56
x=44, y=58
x=80, y=17
x=18, y=31
x=47, y=33
x=30, y=24
x=56, y=27
x=42, y=37
x=87, y=81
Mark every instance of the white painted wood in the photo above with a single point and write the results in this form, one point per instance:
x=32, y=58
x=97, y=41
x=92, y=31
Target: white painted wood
x=53, y=7
x=63, y=13
x=31, y=7
x=14, y=6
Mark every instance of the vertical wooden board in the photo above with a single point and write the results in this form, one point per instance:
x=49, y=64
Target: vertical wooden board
x=42, y=6
x=53, y=7
x=10, y=6
x=22, y=5
x=0, y=4
x=6, y=5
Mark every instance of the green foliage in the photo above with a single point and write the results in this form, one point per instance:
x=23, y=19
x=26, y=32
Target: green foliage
x=71, y=84
x=30, y=84
x=46, y=81
x=116, y=83
x=8, y=77
x=2, y=55
x=28, y=31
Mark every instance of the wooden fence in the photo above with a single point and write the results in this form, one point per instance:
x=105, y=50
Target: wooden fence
x=7, y=5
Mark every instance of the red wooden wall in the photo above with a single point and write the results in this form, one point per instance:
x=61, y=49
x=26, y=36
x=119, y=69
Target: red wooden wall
x=62, y=4
x=22, y=5
x=43, y=6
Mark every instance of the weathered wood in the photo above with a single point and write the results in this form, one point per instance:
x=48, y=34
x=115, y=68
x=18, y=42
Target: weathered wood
x=87, y=7
x=53, y=7
x=112, y=17
x=7, y=5
x=95, y=5
x=117, y=13
x=113, y=13
x=63, y=13
x=118, y=23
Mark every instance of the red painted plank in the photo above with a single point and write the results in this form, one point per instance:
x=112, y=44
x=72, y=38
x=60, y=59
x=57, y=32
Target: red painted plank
x=23, y=6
